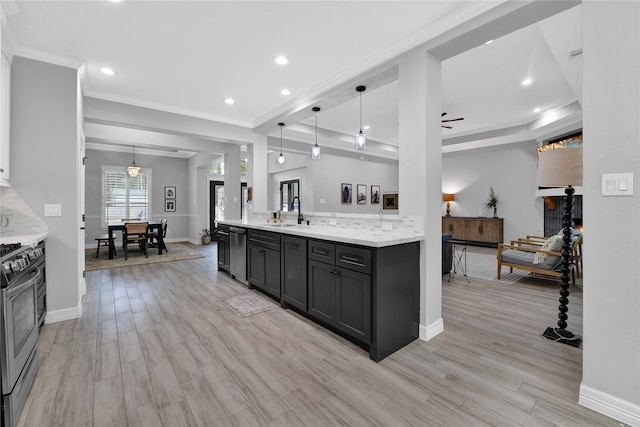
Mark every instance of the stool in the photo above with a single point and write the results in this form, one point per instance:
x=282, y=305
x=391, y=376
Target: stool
x=103, y=239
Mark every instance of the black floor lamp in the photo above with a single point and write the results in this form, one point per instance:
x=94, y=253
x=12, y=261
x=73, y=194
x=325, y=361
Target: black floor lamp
x=562, y=167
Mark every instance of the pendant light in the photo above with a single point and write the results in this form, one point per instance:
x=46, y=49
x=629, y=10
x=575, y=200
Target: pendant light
x=280, y=160
x=315, y=150
x=133, y=170
x=361, y=138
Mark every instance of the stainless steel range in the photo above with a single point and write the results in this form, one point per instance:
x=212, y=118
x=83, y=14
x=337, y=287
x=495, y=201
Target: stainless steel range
x=23, y=306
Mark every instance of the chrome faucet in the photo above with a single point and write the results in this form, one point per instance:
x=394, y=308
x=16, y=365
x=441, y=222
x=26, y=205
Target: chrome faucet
x=300, y=217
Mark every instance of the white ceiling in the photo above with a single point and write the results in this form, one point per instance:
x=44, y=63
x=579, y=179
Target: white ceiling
x=187, y=56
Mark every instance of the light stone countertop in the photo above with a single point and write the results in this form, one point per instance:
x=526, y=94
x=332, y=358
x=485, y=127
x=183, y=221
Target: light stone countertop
x=376, y=238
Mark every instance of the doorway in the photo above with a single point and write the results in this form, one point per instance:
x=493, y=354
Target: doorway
x=217, y=201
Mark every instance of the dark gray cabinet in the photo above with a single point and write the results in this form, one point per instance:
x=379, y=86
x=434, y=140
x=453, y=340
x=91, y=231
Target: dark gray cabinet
x=263, y=261
x=340, y=291
x=293, y=260
x=224, y=247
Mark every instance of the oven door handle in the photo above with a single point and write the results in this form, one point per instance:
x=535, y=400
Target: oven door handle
x=14, y=290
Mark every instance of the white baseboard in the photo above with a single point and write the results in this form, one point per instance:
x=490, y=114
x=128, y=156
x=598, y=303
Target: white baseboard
x=62, y=315
x=430, y=331
x=611, y=406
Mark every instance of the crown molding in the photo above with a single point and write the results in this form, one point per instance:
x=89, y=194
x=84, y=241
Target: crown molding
x=8, y=7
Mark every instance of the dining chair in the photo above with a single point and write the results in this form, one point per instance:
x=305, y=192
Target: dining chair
x=154, y=235
x=135, y=232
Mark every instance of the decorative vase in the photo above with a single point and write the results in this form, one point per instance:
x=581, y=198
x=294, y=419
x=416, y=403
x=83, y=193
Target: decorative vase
x=495, y=212
x=206, y=240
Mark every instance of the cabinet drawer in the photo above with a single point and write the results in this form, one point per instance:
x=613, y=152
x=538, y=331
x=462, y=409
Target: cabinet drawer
x=322, y=251
x=222, y=233
x=356, y=259
x=265, y=239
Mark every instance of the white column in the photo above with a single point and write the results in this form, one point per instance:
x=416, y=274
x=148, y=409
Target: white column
x=258, y=173
x=420, y=174
x=611, y=116
x=232, y=184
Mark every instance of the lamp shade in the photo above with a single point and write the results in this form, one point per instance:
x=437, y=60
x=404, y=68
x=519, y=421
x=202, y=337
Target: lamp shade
x=560, y=167
x=448, y=197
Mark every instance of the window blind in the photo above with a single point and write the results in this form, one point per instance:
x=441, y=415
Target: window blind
x=124, y=196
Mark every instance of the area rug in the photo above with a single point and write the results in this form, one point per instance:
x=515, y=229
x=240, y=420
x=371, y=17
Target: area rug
x=176, y=252
x=247, y=303
x=484, y=266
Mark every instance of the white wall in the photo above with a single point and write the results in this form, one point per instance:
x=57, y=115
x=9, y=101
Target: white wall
x=44, y=163
x=611, y=352
x=511, y=171
x=165, y=171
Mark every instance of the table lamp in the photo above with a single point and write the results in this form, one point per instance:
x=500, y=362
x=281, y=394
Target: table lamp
x=448, y=197
x=562, y=167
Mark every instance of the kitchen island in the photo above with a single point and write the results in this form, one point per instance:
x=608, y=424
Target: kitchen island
x=362, y=283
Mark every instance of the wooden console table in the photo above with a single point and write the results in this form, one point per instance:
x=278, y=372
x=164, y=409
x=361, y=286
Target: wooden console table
x=479, y=230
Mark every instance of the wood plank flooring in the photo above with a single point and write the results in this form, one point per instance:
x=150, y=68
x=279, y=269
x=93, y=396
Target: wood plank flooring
x=155, y=347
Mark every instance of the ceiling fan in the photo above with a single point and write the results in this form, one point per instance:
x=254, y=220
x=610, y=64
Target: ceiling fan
x=449, y=120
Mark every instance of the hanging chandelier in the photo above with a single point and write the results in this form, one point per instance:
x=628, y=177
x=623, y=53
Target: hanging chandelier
x=315, y=150
x=133, y=170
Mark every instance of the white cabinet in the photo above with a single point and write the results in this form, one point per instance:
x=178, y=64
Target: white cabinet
x=5, y=107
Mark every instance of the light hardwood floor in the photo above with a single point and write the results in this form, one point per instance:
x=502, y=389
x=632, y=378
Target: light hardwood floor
x=155, y=347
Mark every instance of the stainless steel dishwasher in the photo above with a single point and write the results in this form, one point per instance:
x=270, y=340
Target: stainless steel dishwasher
x=238, y=261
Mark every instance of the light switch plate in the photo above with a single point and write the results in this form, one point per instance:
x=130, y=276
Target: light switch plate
x=617, y=184
x=53, y=210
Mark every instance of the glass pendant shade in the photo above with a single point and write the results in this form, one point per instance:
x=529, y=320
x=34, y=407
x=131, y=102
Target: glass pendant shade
x=315, y=152
x=361, y=141
x=280, y=160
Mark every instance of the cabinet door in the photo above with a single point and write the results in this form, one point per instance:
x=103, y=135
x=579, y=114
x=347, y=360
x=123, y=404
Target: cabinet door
x=224, y=255
x=321, y=291
x=294, y=271
x=474, y=229
x=353, y=304
x=455, y=227
x=272, y=272
x=493, y=231
x=255, y=266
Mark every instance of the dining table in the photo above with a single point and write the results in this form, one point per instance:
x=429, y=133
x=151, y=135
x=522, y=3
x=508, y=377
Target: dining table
x=119, y=226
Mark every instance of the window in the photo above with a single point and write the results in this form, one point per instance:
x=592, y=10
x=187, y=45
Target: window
x=289, y=190
x=124, y=196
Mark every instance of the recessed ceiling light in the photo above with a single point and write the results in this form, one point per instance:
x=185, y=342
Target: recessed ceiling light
x=537, y=110
x=488, y=41
x=280, y=60
x=367, y=127
x=229, y=101
x=526, y=82
x=285, y=92
x=108, y=71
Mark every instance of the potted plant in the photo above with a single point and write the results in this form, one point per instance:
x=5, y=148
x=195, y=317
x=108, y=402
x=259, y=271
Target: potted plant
x=493, y=202
x=206, y=236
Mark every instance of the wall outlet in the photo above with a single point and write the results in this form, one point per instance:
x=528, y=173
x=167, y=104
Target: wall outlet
x=387, y=226
x=332, y=221
x=323, y=201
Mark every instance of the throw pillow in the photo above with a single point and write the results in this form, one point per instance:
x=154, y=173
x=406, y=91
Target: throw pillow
x=553, y=243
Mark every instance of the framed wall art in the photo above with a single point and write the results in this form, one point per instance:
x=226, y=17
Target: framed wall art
x=390, y=201
x=362, y=194
x=169, y=192
x=346, y=193
x=169, y=205
x=375, y=194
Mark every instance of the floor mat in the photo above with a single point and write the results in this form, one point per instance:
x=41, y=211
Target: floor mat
x=247, y=303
